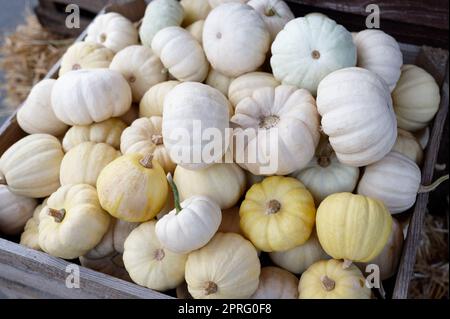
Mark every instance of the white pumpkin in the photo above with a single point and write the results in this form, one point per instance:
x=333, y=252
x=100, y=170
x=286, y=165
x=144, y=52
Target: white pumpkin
x=235, y=39
x=210, y=182
x=244, y=85
x=219, y=81
x=85, y=96
x=357, y=115
x=140, y=67
x=408, y=145
x=30, y=234
x=299, y=258
x=216, y=3
x=416, y=98
x=152, y=102
x=194, y=10
x=144, y=136
x=196, y=30
x=276, y=283
x=15, y=210
x=112, y=30
x=379, y=53
x=85, y=55
x=36, y=114
x=159, y=14
x=395, y=180
x=310, y=48
x=190, y=108
x=275, y=14
x=280, y=114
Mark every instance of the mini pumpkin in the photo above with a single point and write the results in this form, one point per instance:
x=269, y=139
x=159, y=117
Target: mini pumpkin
x=216, y=3
x=196, y=30
x=408, y=145
x=194, y=10
x=276, y=283
x=244, y=85
x=275, y=14
x=15, y=211
x=219, y=81
x=30, y=234
x=152, y=102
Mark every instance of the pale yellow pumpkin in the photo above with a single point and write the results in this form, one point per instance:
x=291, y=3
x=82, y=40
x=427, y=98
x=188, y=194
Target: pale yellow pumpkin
x=30, y=235
x=196, y=30
x=194, y=10
x=408, y=145
x=219, y=81
x=15, y=210
x=277, y=214
x=276, y=283
x=152, y=102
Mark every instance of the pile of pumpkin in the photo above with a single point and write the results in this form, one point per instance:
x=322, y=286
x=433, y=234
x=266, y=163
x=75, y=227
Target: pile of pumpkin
x=93, y=179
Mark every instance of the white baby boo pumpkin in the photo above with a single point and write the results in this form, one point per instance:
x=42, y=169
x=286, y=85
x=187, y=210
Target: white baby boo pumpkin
x=275, y=14
x=408, y=145
x=15, y=210
x=196, y=30
x=219, y=81
x=194, y=10
x=152, y=102
x=276, y=283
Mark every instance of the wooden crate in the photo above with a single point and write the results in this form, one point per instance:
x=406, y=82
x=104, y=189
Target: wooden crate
x=27, y=273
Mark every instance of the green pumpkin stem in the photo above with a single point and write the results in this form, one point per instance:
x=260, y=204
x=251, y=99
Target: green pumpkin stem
x=433, y=186
x=176, y=195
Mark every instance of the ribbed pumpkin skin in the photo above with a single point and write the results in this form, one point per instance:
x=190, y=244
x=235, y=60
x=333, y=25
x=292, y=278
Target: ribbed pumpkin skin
x=353, y=227
x=15, y=211
x=276, y=283
x=194, y=10
x=408, y=145
x=395, y=180
x=244, y=85
x=152, y=102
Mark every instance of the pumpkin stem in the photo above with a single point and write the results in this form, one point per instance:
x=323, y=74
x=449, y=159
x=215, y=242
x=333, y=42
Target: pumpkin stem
x=210, y=288
x=273, y=207
x=269, y=121
x=146, y=161
x=270, y=12
x=324, y=161
x=315, y=55
x=157, y=139
x=76, y=66
x=176, y=195
x=433, y=186
x=327, y=283
x=347, y=263
x=57, y=214
x=159, y=254
x=102, y=37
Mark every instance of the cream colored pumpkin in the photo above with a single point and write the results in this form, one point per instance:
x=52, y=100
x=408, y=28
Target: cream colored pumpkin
x=149, y=263
x=299, y=258
x=219, y=81
x=226, y=268
x=379, y=53
x=275, y=14
x=416, y=98
x=216, y=3
x=194, y=10
x=244, y=85
x=330, y=280
x=238, y=43
x=159, y=14
x=408, y=145
x=30, y=167
x=210, y=182
x=181, y=54
x=230, y=221
x=83, y=163
x=15, y=211
x=36, y=114
x=85, y=96
x=152, y=102
x=72, y=222
x=192, y=104
x=140, y=67
x=112, y=30
x=310, y=48
x=276, y=283
x=395, y=180
x=357, y=115
x=282, y=114
x=85, y=55
x=196, y=30
x=30, y=234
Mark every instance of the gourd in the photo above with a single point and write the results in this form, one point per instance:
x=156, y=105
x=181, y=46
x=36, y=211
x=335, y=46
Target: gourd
x=36, y=114
x=85, y=55
x=30, y=234
x=196, y=30
x=325, y=175
x=299, y=258
x=416, y=98
x=113, y=31
x=192, y=104
x=149, y=263
x=283, y=113
x=219, y=81
x=181, y=54
x=237, y=44
x=353, y=227
x=230, y=221
x=159, y=14
x=152, y=102
x=276, y=283
x=191, y=225
x=210, y=182
x=144, y=136
x=395, y=180
x=30, y=167
x=408, y=145
x=72, y=222
x=85, y=96
x=108, y=132
x=389, y=258
x=275, y=14
x=206, y=276
x=244, y=85
x=277, y=214
x=194, y=10
x=372, y=131
x=216, y=3
x=310, y=48
x=379, y=53
x=133, y=187
x=15, y=210
x=83, y=163
x=328, y=279
x=140, y=67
